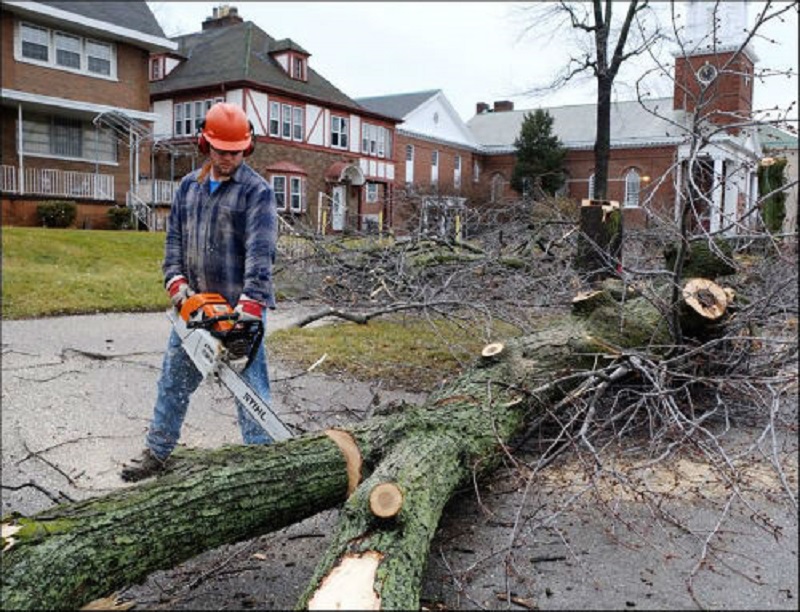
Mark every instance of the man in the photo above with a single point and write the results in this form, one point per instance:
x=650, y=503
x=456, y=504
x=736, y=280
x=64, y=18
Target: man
x=221, y=238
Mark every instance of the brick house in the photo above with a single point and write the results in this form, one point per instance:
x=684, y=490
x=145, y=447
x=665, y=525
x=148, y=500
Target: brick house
x=650, y=149
x=436, y=168
x=330, y=161
x=74, y=99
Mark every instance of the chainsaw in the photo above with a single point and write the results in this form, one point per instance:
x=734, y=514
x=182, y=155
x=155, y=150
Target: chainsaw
x=213, y=337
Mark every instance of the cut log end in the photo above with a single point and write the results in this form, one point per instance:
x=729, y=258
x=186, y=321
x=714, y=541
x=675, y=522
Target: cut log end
x=350, y=585
x=706, y=298
x=493, y=350
x=386, y=500
x=352, y=456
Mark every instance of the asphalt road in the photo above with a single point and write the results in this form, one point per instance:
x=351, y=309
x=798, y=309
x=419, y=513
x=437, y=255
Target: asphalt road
x=77, y=393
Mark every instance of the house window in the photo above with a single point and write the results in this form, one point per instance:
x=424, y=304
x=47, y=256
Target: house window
x=632, y=185
x=297, y=195
x=99, y=55
x=476, y=171
x=35, y=42
x=375, y=140
x=338, y=132
x=434, y=167
x=497, y=188
x=199, y=115
x=57, y=49
x=409, y=164
x=372, y=193
x=279, y=187
x=189, y=115
x=68, y=50
x=297, y=123
x=457, y=172
x=286, y=132
x=66, y=137
x=274, y=119
x=591, y=187
x=298, y=68
x=155, y=69
x=178, y=119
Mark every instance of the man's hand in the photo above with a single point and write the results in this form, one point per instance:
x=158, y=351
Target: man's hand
x=248, y=309
x=179, y=290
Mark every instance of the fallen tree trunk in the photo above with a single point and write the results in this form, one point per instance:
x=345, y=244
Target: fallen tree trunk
x=407, y=465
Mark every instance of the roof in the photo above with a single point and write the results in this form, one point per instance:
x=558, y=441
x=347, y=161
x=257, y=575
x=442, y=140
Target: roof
x=575, y=125
x=397, y=105
x=285, y=166
x=131, y=21
x=241, y=52
x=775, y=138
x=287, y=44
x=133, y=14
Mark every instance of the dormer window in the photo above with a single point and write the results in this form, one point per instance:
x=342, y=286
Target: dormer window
x=292, y=58
x=298, y=68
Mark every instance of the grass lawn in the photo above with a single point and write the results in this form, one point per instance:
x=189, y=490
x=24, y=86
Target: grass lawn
x=66, y=271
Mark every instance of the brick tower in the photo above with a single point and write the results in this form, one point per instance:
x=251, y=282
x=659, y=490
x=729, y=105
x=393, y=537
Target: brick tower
x=713, y=71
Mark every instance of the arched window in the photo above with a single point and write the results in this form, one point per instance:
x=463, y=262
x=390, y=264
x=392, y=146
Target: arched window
x=591, y=187
x=497, y=188
x=632, y=186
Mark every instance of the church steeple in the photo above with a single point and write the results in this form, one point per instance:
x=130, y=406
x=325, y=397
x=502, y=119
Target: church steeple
x=712, y=75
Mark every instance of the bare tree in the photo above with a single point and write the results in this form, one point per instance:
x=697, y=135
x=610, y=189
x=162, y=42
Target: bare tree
x=612, y=44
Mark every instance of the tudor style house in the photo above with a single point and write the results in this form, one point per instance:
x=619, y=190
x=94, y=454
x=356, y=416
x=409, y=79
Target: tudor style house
x=329, y=160
x=75, y=104
x=650, y=148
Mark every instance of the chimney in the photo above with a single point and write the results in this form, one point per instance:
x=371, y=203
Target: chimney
x=501, y=106
x=481, y=108
x=222, y=16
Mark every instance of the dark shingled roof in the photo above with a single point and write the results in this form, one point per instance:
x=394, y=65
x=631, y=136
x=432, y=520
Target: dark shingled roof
x=241, y=52
x=131, y=14
x=397, y=105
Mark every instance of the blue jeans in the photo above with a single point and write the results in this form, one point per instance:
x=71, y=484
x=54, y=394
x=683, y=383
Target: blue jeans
x=179, y=379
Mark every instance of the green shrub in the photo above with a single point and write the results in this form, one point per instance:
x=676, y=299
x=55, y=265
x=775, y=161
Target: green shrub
x=56, y=213
x=120, y=218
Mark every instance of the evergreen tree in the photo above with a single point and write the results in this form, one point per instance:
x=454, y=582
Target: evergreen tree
x=770, y=179
x=539, y=154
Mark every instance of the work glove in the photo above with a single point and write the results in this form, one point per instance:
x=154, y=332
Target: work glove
x=179, y=290
x=248, y=309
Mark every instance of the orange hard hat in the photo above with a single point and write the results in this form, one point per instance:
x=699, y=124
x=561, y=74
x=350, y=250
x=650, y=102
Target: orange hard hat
x=227, y=128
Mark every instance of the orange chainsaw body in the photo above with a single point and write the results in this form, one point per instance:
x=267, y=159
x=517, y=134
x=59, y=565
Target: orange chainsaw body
x=206, y=306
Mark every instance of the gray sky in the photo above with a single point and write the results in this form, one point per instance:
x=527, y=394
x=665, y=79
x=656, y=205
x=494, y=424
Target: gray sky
x=473, y=51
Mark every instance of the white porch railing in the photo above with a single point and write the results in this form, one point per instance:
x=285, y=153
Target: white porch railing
x=157, y=191
x=59, y=183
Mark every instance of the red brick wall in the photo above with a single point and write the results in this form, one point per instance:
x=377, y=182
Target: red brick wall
x=654, y=162
x=131, y=89
x=423, y=150
x=731, y=93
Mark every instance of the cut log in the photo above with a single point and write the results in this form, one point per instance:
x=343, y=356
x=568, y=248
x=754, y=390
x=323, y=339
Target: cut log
x=386, y=500
x=75, y=553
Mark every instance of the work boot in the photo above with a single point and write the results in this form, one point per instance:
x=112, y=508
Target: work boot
x=141, y=467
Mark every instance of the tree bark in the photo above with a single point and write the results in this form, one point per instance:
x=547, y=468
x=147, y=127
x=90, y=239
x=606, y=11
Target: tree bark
x=72, y=554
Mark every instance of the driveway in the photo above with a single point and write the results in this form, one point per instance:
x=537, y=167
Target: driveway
x=77, y=394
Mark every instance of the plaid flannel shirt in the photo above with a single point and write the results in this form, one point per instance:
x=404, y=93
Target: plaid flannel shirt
x=223, y=242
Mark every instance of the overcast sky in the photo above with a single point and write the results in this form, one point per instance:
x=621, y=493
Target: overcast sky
x=472, y=51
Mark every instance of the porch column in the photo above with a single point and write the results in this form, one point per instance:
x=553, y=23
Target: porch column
x=678, y=191
x=716, y=196
x=20, y=152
